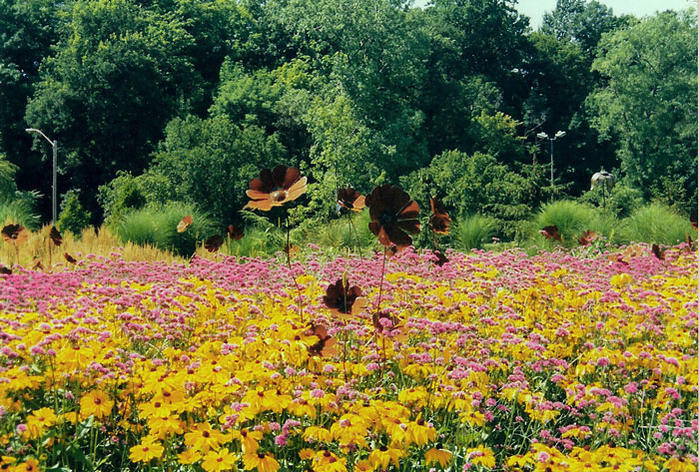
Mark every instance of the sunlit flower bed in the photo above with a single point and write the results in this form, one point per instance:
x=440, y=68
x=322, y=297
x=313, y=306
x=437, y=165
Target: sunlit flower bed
x=493, y=361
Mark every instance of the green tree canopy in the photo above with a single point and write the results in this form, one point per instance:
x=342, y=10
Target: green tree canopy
x=118, y=64
x=649, y=105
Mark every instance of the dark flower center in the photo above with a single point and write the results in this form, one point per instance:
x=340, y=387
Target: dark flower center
x=388, y=219
x=278, y=195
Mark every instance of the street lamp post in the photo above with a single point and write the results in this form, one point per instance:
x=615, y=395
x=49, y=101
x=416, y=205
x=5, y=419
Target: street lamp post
x=54, y=145
x=542, y=135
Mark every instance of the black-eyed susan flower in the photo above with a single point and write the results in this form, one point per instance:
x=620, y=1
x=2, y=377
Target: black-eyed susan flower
x=317, y=433
x=383, y=456
x=29, y=465
x=326, y=461
x=149, y=449
x=203, y=438
x=250, y=440
x=420, y=433
x=437, y=455
x=95, y=403
x=481, y=456
x=260, y=461
x=189, y=456
x=38, y=421
x=218, y=461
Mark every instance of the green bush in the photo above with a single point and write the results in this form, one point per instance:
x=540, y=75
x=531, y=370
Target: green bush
x=621, y=200
x=570, y=217
x=20, y=210
x=257, y=242
x=655, y=223
x=473, y=232
x=73, y=217
x=157, y=225
x=7, y=179
x=339, y=235
x=120, y=196
x=479, y=184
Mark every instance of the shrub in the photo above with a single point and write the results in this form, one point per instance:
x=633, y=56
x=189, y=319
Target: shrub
x=257, y=242
x=20, y=210
x=157, y=225
x=570, y=217
x=621, y=201
x=473, y=232
x=655, y=223
x=73, y=217
x=119, y=196
x=338, y=233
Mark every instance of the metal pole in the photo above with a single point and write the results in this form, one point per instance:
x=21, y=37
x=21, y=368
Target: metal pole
x=551, y=139
x=53, y=190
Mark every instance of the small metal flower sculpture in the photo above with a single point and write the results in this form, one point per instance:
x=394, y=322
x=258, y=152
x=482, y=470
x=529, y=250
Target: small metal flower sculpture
x=275, y=188
x=393, y=216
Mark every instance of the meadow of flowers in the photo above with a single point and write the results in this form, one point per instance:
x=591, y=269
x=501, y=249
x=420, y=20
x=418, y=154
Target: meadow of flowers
x=492, y=361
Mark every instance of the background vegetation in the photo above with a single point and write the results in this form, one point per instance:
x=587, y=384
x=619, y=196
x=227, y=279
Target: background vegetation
x=163, y=103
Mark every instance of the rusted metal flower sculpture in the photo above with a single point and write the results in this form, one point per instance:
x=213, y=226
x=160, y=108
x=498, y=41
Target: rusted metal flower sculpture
x=184, y=223
x=551, y=232
x=275, y=188
x=349, y=199
x=326, y=345
x=14, y=234
x=342, y=299
x=235, y=232
x=213, y=243
x=439, y=220
x=393, y=215
x=55, y=236
x=587, y=237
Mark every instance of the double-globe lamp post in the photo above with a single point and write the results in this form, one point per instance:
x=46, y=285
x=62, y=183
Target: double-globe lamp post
x=54, y=145
x=542, y=135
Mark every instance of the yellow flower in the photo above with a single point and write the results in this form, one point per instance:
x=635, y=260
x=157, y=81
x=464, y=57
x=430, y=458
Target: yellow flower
x=438, y=455
x=95, y=403
x=262, y=462
x=217, y=461
x=165, y=426
x=38, y=421
x=418, y=432
x=481, y=456
x=675, y=464
x=148, y=450
x=204, y=438
x=326, y=461
x=154, y=408
x=189, y=456
x=317, y=433
x=380, y=458
x=306, y=454
x=29, y=465
x=6, y=462
x=249, y=440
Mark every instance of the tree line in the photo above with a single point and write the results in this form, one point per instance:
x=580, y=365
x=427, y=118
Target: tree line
x=164, y=101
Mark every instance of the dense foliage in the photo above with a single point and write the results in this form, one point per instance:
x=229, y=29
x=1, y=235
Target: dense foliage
x=183, y=100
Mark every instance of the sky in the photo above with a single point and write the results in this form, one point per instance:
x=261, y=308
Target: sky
x=535, y=9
